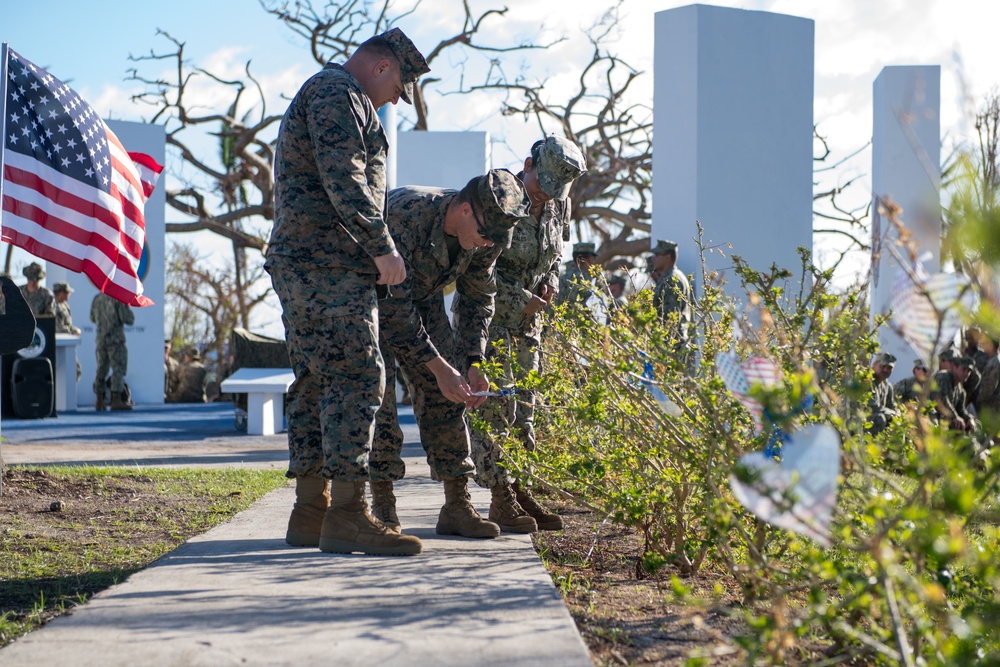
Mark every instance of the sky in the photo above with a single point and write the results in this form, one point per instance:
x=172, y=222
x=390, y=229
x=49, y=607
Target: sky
x=88, y=46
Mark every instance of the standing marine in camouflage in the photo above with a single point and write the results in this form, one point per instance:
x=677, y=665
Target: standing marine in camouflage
x=111, y=317
x=527, y=280
x=576, y=285
x=909, y=389
x=329, y=255
x=40, y=300
x=445, y=236
x=882, y=404
x=64, y=317
x=672, y=294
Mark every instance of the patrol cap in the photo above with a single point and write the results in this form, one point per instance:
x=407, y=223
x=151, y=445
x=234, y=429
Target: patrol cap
x=33, y=271
x=663, y=247
x=617, y=279
x=560, y=162
x=584, y=248
x=193, y=352
x=504, y=203
x=885, y=359
x=62, y=287
x=964, y=361
x=411, y=61
x=919, y=363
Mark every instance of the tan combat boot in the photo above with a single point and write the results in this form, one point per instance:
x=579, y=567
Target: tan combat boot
x=506, y=513
x=99, y=405
x=546, y=520
x=459, y=517
x=384, y=504
x=312, y=497
x=348, y=527
x=118, y=403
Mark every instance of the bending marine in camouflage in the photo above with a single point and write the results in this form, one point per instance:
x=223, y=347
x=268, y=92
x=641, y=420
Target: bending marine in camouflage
x=527, y=280
x=445, y=236
x=328, y=250
x=111, y=317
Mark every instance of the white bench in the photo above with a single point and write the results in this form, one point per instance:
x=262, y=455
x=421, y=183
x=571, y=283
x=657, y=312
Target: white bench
x=265, y=389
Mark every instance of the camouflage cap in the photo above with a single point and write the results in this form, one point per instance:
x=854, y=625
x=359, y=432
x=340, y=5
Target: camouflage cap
x=411, y=61
x=584, y=248
x=33, y=271
x=62, y=287
x=617, y=279
x=885, y=359
x=964, y=361
x=663, y=247
x=560, y=162
x=193, y=353
x=919, y=363
x=504, y=203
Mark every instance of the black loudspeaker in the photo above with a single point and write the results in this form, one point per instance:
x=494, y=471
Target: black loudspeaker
x=32, y=389
x=43, y=346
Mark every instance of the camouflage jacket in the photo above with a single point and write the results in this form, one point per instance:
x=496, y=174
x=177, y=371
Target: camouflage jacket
x=883, y=399
x=989, y=387
x=329, y=177
x=672, y=294
x=416, y=220
x=949, y=396
x=907, y=391
x=532, y=260
x=64, y=318
x=41, y=301
x=110, y=316
x=574, y=286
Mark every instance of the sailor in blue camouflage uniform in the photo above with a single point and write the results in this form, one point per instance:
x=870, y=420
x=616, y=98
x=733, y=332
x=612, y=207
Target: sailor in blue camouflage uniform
x=328, y=251
x=527, y=281
x=445, y=236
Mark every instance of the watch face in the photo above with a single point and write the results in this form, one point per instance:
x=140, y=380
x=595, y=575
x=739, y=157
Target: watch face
x=37, y=346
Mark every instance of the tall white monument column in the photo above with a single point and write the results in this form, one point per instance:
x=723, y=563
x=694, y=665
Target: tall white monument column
x=906, y=168
x=733, y=135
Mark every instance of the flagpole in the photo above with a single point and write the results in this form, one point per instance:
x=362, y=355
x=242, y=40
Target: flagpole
x=4, y=48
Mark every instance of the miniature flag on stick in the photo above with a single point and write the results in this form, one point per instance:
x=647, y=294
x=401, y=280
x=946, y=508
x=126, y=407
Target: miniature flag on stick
x=72, y=195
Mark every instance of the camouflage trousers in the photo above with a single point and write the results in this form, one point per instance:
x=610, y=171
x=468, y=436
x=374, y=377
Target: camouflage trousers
x=443, y=432
x=506, y=414
x=331, y=329
x=111, y=355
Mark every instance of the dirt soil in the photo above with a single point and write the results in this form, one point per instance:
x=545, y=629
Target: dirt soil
x=627, y=619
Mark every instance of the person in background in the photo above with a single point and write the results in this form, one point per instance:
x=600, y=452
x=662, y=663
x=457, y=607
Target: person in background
x=111, y=316
x=192, y=378
x=909, y=389
x=40, y=300
x=882, y=404
x=64, y=316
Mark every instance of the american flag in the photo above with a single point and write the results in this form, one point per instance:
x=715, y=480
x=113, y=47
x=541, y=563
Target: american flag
x=72, y=195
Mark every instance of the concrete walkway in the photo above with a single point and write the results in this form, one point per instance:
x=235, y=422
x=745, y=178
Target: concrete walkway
x=238, y=595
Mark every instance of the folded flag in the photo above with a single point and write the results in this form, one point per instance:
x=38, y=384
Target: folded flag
x=72, y=195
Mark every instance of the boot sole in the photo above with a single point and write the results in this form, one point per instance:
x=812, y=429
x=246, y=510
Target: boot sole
x=299, y=539
x=454, y=531
x=551, y=525
x=333, y=546
x=531, y=528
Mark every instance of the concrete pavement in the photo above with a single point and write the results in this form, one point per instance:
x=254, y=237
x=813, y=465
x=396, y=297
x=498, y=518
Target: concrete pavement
x=238, y=595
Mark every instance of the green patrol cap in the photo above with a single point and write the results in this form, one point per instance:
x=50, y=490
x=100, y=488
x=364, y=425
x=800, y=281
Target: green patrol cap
x=33, y=271
x=663, y=247
x=504, y=203
x=62, y=287
x=560, y=162
x=584, y=248
x=411, y=61
x=919, y=363
x=885, y=359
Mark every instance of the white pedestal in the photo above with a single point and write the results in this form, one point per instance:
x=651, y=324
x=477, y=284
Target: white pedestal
x=66, y=345
x=265, y=389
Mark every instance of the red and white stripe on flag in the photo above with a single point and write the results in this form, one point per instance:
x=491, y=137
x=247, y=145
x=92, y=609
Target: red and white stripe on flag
x=72, y=195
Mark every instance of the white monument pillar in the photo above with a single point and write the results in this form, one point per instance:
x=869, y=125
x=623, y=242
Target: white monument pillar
x=387, y=116
x=733, y=138
x=145, y=338
x=442, y=159
x=906, y=168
